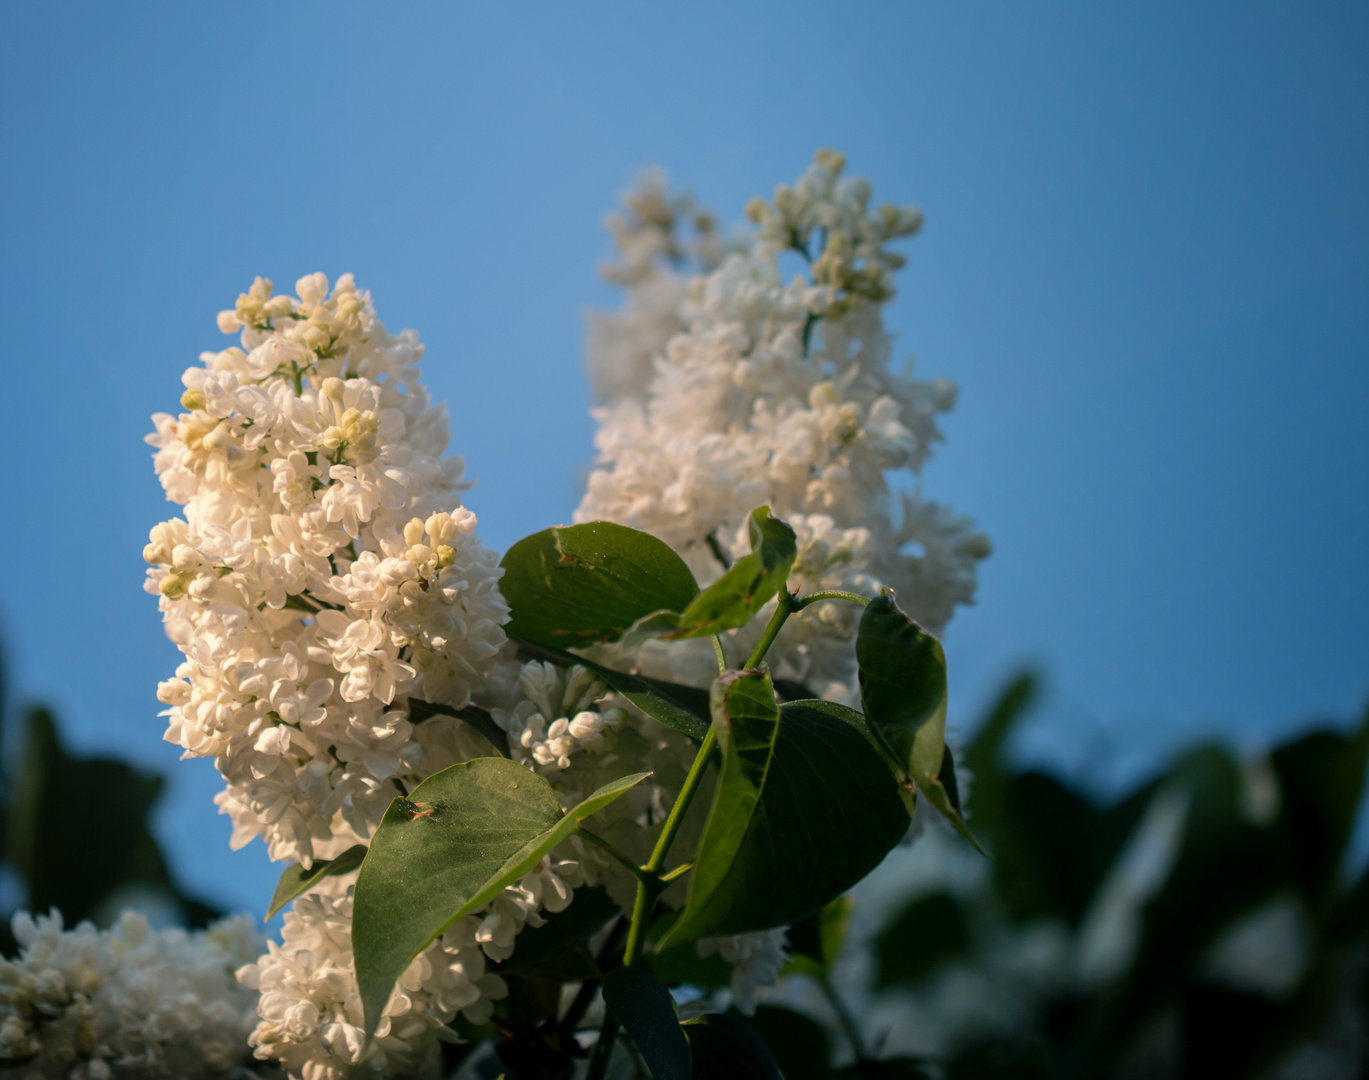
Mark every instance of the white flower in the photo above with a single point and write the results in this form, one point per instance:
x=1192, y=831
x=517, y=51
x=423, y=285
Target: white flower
x=126, y=1001
x=756, y=391
x=756, y=961
x=303, y=459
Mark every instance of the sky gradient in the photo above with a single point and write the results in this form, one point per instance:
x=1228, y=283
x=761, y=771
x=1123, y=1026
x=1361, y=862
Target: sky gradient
x=1145, y=263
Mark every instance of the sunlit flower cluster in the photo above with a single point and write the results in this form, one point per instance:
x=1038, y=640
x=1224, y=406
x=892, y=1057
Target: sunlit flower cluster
x=88, y=1004
x=760, y=390
x=323, y=577
x=324, y=568
x=732, y=388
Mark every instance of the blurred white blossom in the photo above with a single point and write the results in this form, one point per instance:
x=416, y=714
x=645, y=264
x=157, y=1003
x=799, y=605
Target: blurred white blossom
x=88, y=1004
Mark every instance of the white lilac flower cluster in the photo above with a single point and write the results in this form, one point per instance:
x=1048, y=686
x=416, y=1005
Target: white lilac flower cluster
x=324, y=568
x=88, y=1004
x=733, y=388
x=323, y=576
x=325, y=573
x=757, y=390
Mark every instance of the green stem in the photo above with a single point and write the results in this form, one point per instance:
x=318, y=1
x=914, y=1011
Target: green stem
x=641, y=918
x=833, y=594
x=722, y=657
x=677, y=812
x=679, y=871
x=598, y=841
x=599, y=1062
x=649, y=886
x=787, y=606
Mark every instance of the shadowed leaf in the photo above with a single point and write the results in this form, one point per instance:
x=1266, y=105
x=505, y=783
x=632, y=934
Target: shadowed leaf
x=748, y=586
x=295, y=880
x=804, y=808
x=645, y=1009
x=681, y=708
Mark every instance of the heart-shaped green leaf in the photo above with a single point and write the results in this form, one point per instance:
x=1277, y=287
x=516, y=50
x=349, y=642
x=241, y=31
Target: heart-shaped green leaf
x=903, y=691
x=748, y=586
x=804, y=808
x=644, y=1007
x=295, y=880
x=448, y=849
x=902, y=679
x=683, y=708
x=580, y=584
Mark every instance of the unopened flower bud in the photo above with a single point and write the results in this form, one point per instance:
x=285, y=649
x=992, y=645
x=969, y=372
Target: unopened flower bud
x=832, y=160
x=824, y=395
x=173, y=586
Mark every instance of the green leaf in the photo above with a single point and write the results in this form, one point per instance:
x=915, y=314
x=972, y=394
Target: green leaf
x=580, y=584
x=926, y=934
x=726, y=1048
x=902, y=679
x=644, y=1007
x=799, y=1043
x=78, y=827
x=858, y=720
x=985, y=756
x=815, y=942
x=681, y=708
x=295, y=880
x=903, y=691
x=804, y=808
x=448, y=849
x=473, y=715
x=752, y=582
x=1321, y=779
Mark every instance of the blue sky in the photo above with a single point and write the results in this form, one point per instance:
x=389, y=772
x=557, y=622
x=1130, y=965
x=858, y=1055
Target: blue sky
x=1146, y=263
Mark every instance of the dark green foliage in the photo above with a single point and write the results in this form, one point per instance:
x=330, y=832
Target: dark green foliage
x=926, y=934
x=76, y=829
x=1238, y=849
x=682, y=708
x=816, y=941
x=804, y=808
x=473, y=715
x=560, y=949
x=644, y=1008
x=903, y=692
x=726, y=1048
x=798, y=1043
x=681, y=963
x=888, y=1069
x=902, y=678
